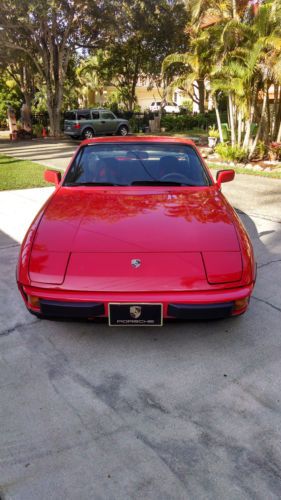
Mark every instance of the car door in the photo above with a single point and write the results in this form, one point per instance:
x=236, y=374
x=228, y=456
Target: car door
x=108, y=122
x=96, y=121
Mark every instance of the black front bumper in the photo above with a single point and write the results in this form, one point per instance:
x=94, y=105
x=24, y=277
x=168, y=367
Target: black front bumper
x=88, y=310
x=200, y=311
x=73, y=310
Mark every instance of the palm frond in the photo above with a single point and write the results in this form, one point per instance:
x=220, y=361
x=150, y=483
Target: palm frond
x=188, y=58
x=185, y=81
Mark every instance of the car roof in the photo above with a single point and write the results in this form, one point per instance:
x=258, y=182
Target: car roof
x=87, y=109
x=134, y=138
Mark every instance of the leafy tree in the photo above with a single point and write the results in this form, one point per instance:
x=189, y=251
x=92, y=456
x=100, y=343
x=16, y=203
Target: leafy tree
x=145, y=31
x=47, y=34
x=10, y=95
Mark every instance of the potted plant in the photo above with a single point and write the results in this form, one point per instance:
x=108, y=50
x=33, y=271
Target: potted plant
x=213, y=135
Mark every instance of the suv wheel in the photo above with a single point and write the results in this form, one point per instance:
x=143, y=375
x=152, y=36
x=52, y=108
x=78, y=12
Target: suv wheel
x=88, y=133
x=123, y=130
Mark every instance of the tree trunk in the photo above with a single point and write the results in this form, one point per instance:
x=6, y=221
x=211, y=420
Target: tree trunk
x=201, y=90
x=267, y=128
x=247, y=134
x=275, y=110
x=277, y=120
x=239, y=133
x=253, y=101
x=234, y=9
x=54, y=102
x=28, y=99
x=195, y=98
x=135, y=79
x=54, y=116
x=231, y=118
x=262, y=119
x=218, y=118
x=279, y=134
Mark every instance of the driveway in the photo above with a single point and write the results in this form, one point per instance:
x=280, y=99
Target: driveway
x=189, y=411
x=48, y=152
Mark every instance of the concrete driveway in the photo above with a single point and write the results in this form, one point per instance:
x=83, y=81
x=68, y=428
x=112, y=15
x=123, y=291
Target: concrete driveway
x=48, y=152
x=189, y=411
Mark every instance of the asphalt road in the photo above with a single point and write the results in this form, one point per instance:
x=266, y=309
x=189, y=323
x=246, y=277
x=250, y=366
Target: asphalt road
x=188, y=411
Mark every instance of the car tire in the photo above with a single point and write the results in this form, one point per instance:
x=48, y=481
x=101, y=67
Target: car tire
x=88, y=133
x=123, y=130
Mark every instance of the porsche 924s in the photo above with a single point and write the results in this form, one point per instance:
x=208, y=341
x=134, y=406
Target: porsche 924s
x=137, y=230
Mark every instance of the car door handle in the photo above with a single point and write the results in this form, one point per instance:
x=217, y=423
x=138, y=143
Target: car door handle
x=103, y=121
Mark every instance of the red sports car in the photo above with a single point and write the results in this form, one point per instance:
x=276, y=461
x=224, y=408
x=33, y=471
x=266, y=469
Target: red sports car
x=136, y=231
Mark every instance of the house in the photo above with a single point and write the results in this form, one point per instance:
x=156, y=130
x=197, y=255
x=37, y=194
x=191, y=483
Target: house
x=146, y=93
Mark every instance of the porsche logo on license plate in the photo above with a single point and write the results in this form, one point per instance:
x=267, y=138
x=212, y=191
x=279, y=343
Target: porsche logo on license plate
x=135, y=311
x=120, y=314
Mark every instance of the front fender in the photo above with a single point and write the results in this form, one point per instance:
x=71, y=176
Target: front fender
x=22, y=275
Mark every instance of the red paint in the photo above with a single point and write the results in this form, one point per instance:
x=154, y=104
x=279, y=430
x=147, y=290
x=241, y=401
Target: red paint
x=192, y=245
x=52, y=176
x=225, y=176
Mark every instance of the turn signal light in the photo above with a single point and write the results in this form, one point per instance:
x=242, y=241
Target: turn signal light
x=240, y=304
x=33, y=301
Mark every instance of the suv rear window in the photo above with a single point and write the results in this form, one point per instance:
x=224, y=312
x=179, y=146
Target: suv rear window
x=95, y=115
x=83, y=115
x=70, y=115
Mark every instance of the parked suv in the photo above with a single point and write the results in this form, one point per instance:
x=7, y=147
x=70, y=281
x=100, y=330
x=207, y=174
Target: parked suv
x=86, y=123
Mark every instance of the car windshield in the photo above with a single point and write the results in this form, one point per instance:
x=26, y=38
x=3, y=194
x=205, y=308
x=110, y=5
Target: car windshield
x=127, y=164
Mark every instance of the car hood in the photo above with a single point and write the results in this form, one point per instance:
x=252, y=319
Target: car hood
x=88, y=239
x=137, y=220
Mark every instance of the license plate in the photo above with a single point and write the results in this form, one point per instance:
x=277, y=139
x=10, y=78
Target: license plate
x=135, y=314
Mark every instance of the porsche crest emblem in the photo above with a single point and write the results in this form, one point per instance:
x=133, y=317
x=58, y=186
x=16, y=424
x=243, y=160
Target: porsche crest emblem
x=135, y=312
x=136, y=263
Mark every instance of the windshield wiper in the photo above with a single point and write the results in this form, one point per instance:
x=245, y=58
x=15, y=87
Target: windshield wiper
x=72, y=184
x=159, y=183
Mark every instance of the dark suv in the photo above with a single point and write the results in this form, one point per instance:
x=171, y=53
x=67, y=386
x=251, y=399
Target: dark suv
x=86, y=123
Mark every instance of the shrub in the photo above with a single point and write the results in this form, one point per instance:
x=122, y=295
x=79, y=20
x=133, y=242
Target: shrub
x=134, y=124
x=274, y=151
x=213, y=132
x=231, y=153
x=37, y=129
x=182, y=122
x=261, y=150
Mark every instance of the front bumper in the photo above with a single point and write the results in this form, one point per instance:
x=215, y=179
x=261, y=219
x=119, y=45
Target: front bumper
x=187, y=305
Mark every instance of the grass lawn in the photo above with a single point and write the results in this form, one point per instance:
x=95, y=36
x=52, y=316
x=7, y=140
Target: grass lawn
x=20, y=174
x=248, y=171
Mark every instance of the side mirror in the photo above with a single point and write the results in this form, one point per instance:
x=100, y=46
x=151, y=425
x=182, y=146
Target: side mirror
x=53, y=176
x=224, y=176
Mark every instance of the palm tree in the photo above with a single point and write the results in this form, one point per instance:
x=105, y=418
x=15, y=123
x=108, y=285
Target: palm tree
x=194, y=76
x=205, y=47
x=89, y=77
